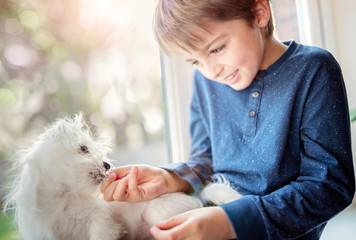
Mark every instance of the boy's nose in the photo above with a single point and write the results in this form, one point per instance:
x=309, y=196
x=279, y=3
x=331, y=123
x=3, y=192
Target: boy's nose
x=215, y=71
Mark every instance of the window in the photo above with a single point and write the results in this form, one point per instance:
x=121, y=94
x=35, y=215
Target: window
x=286, y=20
x=307, y=22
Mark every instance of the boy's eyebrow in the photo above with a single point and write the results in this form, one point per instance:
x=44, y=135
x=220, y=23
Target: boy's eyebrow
x=208, y=46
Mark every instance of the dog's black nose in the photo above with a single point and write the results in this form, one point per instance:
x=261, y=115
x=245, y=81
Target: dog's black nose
x=106, y=165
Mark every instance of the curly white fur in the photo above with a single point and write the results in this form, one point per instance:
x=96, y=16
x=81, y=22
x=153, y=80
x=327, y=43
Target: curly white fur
x=57, y=192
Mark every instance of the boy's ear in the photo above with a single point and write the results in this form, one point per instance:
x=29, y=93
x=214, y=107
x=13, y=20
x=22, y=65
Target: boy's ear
x=262, y=13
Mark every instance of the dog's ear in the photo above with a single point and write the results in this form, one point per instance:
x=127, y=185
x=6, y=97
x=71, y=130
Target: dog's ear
x=79, y=122
x=65, y=128
x=78, y=118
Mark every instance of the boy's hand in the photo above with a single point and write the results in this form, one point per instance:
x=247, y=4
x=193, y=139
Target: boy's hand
x=140, y=183
x=202, y=223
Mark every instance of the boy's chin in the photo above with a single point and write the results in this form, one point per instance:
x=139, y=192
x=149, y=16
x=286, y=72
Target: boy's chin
x=240, y=85
x=237, y=87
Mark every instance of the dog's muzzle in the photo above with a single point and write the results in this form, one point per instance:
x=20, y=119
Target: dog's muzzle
x=99, y=174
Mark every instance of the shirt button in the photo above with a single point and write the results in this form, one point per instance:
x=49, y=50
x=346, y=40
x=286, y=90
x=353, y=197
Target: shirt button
x=255, y=94
x=252, y=113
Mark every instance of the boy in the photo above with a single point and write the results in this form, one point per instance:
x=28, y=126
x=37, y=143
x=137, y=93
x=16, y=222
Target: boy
x=270, y=117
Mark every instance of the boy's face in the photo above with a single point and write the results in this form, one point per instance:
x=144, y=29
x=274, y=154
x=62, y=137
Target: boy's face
x=231, y=53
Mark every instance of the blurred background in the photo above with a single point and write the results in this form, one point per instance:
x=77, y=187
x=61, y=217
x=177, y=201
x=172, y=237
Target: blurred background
x=98, y=57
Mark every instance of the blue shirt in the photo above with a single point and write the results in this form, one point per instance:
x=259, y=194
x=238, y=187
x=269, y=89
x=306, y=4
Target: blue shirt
x=284, y=143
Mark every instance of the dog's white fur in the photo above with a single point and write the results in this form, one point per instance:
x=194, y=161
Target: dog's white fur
x=57, y=192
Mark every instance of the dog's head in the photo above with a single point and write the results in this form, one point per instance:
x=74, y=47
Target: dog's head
x=65, y=163
x=67, y=155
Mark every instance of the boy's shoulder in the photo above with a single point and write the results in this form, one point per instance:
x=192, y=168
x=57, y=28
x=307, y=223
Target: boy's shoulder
x=313, y=54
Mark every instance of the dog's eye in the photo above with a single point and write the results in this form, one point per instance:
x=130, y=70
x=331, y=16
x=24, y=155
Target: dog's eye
x=84, y=149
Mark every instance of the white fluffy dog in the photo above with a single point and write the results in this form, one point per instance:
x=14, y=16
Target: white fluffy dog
x=57, y=192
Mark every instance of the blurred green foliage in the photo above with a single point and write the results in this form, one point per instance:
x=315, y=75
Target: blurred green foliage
x=7, y=229
x=353, y=115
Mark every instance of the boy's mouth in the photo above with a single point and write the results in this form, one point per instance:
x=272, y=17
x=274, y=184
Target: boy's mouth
x=230, y=78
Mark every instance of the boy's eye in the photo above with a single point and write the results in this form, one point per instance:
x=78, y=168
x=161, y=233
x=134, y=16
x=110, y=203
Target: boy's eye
x=217, y=50
x=195, y=63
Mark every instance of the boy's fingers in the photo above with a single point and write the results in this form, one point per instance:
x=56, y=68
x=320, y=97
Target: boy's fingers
x=171, y=229
x=108, y=190
x=159, y=234
x=133, y=184
x=122, y=172
x=104, y=185
x=120, y=192
x=171, y=223
x=112, y=176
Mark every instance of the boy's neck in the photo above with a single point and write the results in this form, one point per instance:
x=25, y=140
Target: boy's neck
x=273, y=50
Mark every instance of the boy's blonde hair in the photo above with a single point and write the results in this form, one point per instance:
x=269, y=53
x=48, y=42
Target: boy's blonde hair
x=175, y=20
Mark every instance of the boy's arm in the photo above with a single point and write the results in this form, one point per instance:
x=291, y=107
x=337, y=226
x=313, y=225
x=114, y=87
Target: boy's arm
x=196, y=171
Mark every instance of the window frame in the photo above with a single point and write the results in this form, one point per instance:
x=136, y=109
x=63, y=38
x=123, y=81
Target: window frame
x=316, y=24
x=177, y=77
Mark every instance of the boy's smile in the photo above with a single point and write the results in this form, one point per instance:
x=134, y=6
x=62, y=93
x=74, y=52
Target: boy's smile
x=230, y=79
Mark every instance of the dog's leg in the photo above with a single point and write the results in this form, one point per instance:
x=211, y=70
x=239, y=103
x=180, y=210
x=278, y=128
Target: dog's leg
x=169, y=205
